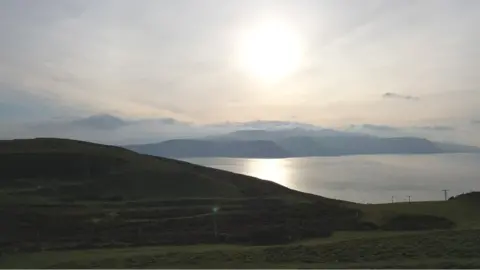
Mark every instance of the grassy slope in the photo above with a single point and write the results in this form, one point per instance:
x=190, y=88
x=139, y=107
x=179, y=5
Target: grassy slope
x=59, y=194
x=460, y=249
x=111, y=171
x=463, y=213
x=437, y=249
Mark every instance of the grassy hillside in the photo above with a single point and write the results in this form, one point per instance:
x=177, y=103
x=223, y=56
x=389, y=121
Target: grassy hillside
x=462, y=212
x=57, y=194
x=72, y=204
x=445, y=249
x=57, y=168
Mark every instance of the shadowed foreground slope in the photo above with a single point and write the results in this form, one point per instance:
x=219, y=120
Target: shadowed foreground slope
x=72, y=204
x=61, y=194
x=60, y=168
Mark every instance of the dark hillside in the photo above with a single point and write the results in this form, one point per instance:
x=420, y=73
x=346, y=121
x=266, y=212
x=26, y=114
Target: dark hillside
x=60, y=194
x=66, y=167
x=70, y=195
x=468, y=197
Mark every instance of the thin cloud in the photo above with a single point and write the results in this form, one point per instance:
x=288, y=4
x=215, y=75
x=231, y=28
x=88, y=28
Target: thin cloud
x=405, y=128
x=379, y=127
x=399, y=96
x=63, y=59
x=437, y=128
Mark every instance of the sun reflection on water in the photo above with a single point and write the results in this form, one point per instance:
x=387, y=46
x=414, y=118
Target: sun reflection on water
x=275, y=170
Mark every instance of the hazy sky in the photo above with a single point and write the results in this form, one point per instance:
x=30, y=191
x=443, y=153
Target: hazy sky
x=386, y=62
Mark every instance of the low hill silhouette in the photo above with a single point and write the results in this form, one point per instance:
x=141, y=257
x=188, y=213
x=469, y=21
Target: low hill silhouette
x=473, y=196
x=76, y=169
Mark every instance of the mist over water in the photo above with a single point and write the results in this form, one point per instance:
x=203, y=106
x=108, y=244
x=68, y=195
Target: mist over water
x=365, y=179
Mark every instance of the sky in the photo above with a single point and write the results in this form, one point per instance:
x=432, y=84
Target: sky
x=393, y=63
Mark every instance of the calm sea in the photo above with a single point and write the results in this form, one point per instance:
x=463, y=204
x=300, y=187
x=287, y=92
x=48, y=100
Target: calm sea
x=366, y=179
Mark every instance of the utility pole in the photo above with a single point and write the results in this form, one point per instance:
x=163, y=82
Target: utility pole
x=215, y=210
x=445, y=191
x=409, y=199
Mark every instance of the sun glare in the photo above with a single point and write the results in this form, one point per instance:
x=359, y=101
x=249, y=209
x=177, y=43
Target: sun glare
x=270, y=169
x=270, y=51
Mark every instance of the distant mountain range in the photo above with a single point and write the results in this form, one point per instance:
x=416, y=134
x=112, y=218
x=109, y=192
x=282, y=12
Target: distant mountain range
x=279, y=134
x=295, y=142
x=171, y=137
x=101, y=121
x=208, y=148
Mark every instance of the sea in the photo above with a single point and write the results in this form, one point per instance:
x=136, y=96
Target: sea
x=364, y=178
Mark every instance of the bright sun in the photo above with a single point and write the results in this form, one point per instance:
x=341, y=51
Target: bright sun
x=270, y=51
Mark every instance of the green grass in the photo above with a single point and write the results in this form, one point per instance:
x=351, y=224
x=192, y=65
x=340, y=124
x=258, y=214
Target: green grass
x=155, y=199
x=460, y=248
x=101, y=171
x=463, y=213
